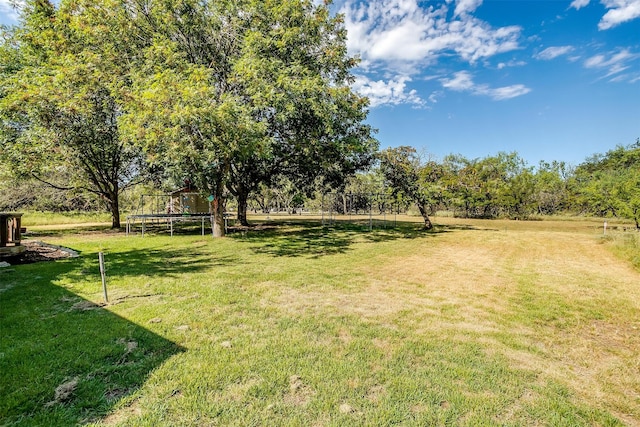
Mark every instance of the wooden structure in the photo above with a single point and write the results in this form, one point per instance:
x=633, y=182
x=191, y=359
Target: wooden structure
x=187, y=201
x=10, y=233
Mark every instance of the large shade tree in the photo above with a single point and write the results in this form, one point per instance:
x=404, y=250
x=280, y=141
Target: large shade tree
x=239, y=93
x=62, y=90
x=231, y=94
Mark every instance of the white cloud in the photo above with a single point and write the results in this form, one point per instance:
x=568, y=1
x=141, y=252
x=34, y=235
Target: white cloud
x=595, y=61
x=512, y=63
x=619, y=11
x=390, y=92
x=463, y=82
x=401, y=34
x=578, y=4
x=627, y=77
x=466, y=6
x=508, y=92
x=617, y=68
x=614, y=63
x=553, y=52
x=397, y=39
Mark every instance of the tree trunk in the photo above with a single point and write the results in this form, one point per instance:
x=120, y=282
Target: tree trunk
x=423, y=211
x=218, y=212
x=242, y=208
x=114, y=208
x=115, y=215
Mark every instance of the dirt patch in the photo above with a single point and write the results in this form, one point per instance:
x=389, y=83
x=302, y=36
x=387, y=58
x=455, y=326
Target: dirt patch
x=39, y=252
x=85, y=305
x=345, y=408
x=127, y=412
x=299, y=393
x=376, y=393
x=64, y=392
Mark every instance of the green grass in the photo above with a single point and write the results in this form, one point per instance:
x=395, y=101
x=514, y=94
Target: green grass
x=626, y=246
x=39, y=219
x=302, y=325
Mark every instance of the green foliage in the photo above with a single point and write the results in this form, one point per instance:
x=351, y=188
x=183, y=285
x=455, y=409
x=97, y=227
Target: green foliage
x=501, y=185
x=626, y=246
x=407, y=175
x=552, y=194
x=609, y=184
x=61, y=98
x=296, y=72
x=240, y=97
x=235, y=94
x=31, y=194
x=367, y=188
x=227, y=94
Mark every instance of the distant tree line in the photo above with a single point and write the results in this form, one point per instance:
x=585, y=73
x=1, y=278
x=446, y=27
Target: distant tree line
x=504, y=186
x=499, y=186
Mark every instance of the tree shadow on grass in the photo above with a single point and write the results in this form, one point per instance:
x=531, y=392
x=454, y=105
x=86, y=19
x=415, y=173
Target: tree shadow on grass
x=310, y=239
x=61, y=230
x=65, y=360
x=164, y=262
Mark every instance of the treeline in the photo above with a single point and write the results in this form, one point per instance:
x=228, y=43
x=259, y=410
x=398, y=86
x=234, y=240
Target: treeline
x=500, y=186
x=505, y=186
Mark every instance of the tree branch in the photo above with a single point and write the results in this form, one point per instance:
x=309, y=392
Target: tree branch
x=57, y=187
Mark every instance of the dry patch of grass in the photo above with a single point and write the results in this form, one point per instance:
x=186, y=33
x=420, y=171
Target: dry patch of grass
x=299, y=393
x=131, y=410
x=553, y=302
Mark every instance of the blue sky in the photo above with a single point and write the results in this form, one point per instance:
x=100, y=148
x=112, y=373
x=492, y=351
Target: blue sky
x=550, y=79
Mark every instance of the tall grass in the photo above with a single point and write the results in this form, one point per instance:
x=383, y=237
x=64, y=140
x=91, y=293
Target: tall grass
x=626, y=246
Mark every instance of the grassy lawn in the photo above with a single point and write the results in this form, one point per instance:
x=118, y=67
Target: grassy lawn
x=44, y=220
x=476, y=323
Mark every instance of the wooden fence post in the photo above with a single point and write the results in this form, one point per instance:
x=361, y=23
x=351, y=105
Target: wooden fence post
x=103, y=275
